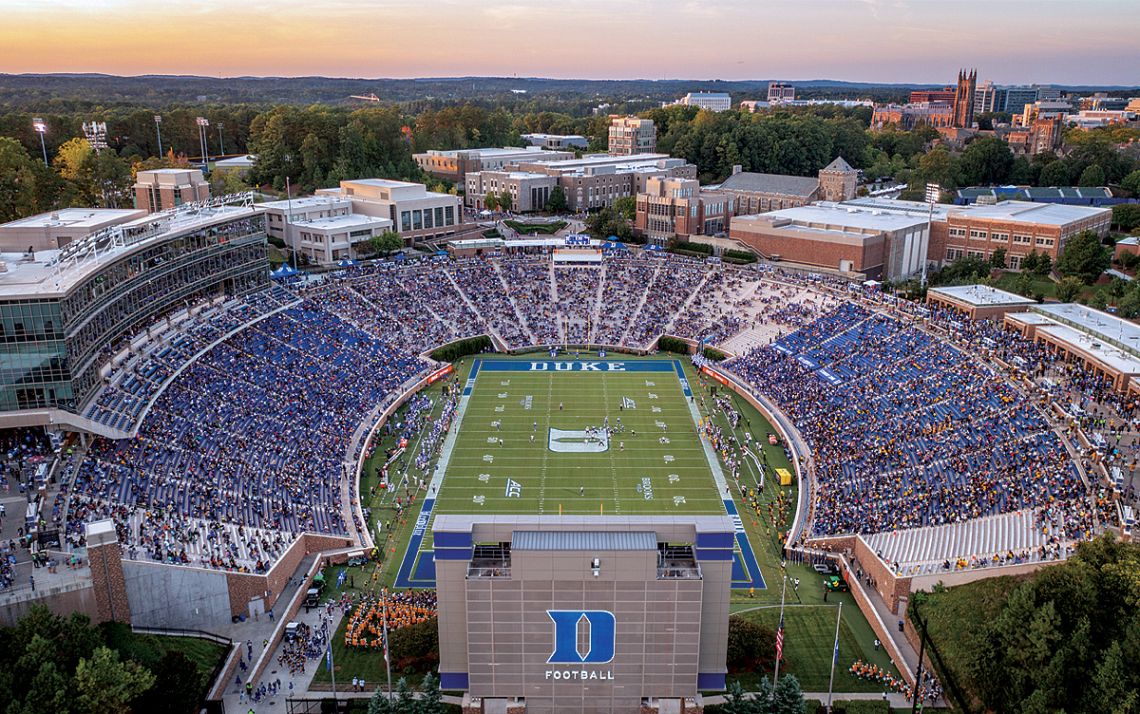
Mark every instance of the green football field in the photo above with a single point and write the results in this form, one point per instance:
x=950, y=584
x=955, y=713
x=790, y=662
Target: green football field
x=524, y=446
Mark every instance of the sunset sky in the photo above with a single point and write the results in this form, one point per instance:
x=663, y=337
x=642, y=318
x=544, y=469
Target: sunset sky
x=1009, y=41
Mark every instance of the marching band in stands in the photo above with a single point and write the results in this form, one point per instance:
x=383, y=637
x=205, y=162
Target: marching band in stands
x=258, y=399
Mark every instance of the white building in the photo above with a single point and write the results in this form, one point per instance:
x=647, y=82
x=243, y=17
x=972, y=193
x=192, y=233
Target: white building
x=415, y=212
x=712, y=101
x=335, y=238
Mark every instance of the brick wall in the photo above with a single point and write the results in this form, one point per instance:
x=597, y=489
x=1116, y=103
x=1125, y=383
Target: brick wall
x=109, y=585
x=244, y=587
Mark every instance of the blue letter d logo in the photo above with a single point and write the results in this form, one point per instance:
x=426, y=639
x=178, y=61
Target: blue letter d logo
x=582, y=636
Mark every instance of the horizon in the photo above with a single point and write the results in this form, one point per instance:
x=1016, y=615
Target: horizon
x=866, y=41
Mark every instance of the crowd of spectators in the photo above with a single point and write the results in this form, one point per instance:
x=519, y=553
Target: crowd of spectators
x=907, y=430
x=252, y=435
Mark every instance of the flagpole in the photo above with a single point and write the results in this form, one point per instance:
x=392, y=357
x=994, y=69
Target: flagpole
x=779, y=631
x=387, y=657
x=834, y=657
x=332, y=670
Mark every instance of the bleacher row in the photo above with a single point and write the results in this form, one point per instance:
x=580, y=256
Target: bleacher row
x=252, y=434
x=1010, y=538
x=149, y=366
x=909, y=432
x=526, y=302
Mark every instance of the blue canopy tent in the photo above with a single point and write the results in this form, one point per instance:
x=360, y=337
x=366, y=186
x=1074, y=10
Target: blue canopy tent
x=347, y=263
x=653, y=247
x=285, y=271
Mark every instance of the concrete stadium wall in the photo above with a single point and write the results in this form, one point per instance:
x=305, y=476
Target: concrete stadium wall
x=61, y=601
x=176, y=596
x=246, y=587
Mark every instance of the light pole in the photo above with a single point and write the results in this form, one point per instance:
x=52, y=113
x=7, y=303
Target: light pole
x=202, y=124
x=158, y=130
x=221, y=146
x=41, y=128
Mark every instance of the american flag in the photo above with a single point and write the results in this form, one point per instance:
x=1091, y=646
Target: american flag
x=780, y=640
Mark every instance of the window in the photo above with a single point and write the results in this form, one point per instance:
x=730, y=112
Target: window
x=999, y=237
x=976, y=254
x=977, y=234
x=1022, y=240
x=427, y=219
x=417, y=220
x=405, y=220
x=439, y=216
x=957, y=232
x=1015, y=262
x=1045, y=242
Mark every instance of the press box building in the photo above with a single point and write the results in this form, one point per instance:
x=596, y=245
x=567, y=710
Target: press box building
x=575, y=614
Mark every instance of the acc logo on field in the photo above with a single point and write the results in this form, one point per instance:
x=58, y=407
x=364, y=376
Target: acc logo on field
x=582, y=636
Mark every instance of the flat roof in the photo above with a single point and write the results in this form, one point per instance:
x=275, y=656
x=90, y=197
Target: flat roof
x=346, y=221
x=583, y=540
x=834, y=214
x=1055, y=214
x=39, y=278
x=1099, y=324
x=982, y=295
x=305, y=202
x=604, y=160
x=1102, y=351
x=93, y=218
x=914, y=208
x=1030, y=318
x=382, y=183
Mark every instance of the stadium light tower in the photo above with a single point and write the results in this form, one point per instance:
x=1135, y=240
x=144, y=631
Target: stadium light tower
x=202, y=124
x=41, y=128
x=158, y=130
x=221, y=145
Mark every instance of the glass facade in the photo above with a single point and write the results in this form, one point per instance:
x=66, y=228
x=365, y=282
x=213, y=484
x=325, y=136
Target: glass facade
x=51, y=349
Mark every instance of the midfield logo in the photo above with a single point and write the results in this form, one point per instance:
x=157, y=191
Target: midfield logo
x=582, y=636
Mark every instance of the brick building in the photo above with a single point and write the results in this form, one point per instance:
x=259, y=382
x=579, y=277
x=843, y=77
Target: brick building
x=455, y=165
x=163, y=189
x=596, y=180
x=832, y=236
x=529, y=190
x=630, y=136
x=978, y=302
x=908, y=116
x=678, y=207
x=757, y=193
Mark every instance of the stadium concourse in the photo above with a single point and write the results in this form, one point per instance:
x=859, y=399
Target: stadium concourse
x=243, y=414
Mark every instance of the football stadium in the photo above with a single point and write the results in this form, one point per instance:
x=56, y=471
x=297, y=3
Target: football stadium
x=575, y=465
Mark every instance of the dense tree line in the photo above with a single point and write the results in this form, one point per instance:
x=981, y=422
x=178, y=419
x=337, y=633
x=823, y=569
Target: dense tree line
x=1066, y=639
x=63, y=665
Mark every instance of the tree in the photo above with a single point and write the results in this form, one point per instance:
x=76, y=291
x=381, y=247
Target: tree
x=1099, y=300
x=178, y=685
x=104, y=685
x=506, y=201
x=1057, y=173
x=491, y=201
x=750, y=645
x=25, y=184
x=71, y=157
x=986, y=161
x=1029, y=262
x=1092, y=176
x=608, y=222
x=997, y=259
x=556, y=202
x=1084, y=257
x=1044, y=265
x=626, y=207
x=386, y=243
x=1126, y=216
x=1068, y=289
x=1131, y=182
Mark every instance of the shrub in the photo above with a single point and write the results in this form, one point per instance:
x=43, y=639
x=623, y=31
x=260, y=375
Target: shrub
x=462, y=348
x=673, y=344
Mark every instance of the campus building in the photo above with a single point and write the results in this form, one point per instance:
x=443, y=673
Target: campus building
x=455, y=165
x=758, y=193
x=60, y=310
x=978, y=302
x=631, y=136
x=568, y=614
x=1107, y=345
x=907, y=116
x=780, y=92
x=556, y=142
x=415, y=212
x=596, y=180
x=838, y=237
x=710, y=101
x=163, y=189
x=678, y=207
x=529, y=190
x=56, y=229
x=964, y=99
x=977, y=230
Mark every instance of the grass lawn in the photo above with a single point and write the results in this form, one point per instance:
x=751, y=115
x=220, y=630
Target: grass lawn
x=956, y=617
x=1042, y=285
x=809, y=634
x=611, y=481
x=541, y=228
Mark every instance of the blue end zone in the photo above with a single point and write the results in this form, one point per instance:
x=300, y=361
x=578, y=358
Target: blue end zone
x=681, y=376
x=572, y=365
x=471, y=378
x=745, y=570
x=409, y=575
x=425, y=568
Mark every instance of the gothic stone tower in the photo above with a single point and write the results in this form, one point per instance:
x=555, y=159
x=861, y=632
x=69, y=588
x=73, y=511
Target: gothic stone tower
x=837, y=181
x=964, y=99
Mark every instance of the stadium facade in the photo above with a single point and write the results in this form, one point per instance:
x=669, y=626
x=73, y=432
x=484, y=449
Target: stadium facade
x=563, y=614
x=62, y=311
